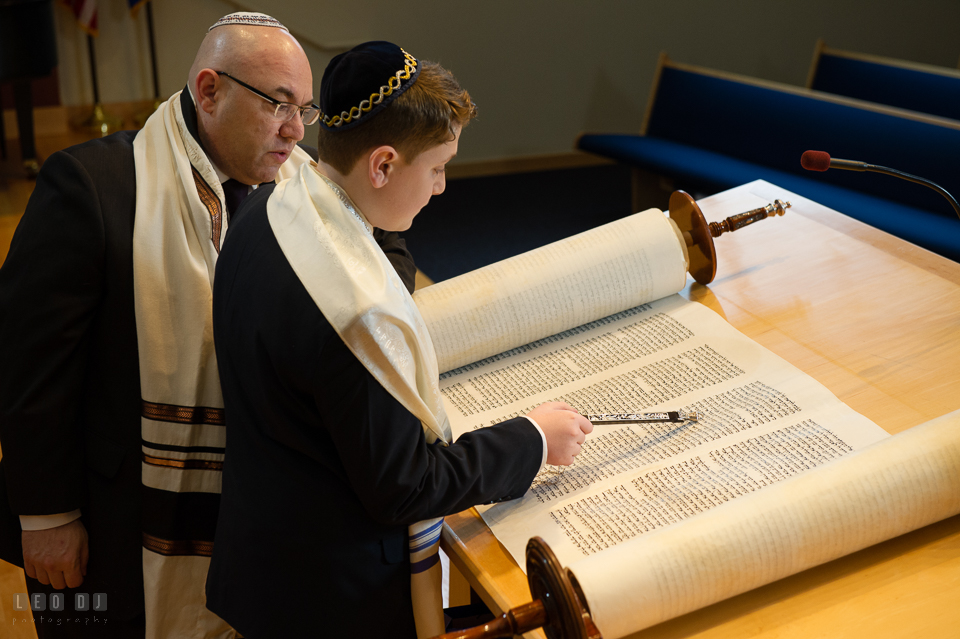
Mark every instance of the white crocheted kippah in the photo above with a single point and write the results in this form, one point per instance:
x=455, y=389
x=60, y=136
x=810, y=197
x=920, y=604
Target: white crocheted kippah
x=248, y=17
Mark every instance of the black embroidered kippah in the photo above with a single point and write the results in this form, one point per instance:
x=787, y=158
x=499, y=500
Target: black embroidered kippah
x=361, y=82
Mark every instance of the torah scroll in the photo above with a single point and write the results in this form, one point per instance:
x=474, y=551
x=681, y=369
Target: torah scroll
x=888, y=489
x=565, y=284
x=564, y=322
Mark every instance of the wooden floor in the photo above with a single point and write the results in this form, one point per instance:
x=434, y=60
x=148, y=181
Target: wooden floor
x=14, y=193
x=13, y=625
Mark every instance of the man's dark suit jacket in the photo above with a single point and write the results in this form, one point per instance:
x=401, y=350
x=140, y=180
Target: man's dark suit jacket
x=70, y=379
x=324, y=469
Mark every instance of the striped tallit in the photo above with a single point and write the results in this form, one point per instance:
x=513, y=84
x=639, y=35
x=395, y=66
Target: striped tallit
x=179, y=228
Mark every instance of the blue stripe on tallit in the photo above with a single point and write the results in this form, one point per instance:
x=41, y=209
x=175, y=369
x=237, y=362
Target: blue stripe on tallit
x=429, y=531
x=425, y=565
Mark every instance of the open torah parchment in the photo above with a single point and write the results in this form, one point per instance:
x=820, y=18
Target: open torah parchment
x=629, y=345
x=594, y=321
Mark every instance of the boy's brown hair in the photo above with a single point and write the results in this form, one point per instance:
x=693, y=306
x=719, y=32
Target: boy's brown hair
x=422, y=117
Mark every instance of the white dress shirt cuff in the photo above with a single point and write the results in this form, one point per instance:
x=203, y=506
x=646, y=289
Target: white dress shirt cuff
x=44, y=522
x=543, y=458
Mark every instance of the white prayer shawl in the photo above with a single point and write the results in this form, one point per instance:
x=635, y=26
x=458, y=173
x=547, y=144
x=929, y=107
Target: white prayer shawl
x=332, y=250
x=178, y=230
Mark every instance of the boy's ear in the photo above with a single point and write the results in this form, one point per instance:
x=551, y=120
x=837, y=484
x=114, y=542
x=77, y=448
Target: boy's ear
x=380, y=165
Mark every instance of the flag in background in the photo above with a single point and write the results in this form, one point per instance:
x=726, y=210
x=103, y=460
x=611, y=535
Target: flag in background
x=85, y=12
x=135, y=6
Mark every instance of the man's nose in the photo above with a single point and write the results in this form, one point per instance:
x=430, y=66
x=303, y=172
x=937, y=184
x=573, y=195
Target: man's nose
x=293, y=128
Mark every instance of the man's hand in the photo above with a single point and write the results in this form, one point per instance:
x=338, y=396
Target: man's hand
x=56, y=556
x=564, y=428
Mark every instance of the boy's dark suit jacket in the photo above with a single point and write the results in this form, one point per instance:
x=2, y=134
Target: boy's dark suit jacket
x=324, y=469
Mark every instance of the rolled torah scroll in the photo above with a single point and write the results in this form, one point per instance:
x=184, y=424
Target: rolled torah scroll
x=638, y=259
x=897, y=485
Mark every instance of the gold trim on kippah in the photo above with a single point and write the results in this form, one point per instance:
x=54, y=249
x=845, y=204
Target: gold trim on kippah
x=355, y=113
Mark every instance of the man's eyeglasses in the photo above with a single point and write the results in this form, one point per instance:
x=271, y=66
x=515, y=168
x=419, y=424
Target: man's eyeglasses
x=283, y=111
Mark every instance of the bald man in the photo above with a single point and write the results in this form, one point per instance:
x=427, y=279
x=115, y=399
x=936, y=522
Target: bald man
x=111, y=422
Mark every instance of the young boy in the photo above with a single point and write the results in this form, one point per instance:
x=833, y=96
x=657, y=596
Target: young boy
x=337, y=440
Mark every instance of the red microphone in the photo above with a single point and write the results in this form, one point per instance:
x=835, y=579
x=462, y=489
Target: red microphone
x=815, y=160
x=821, y=161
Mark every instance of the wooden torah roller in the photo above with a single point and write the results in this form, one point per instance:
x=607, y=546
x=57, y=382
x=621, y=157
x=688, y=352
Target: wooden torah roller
x=558, y=605
x=698, y=234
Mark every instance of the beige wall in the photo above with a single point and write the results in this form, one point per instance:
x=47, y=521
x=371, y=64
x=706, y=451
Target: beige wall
x=540, y=70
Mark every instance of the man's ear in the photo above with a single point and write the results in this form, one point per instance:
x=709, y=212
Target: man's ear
x=380, y=165
x=205, y=87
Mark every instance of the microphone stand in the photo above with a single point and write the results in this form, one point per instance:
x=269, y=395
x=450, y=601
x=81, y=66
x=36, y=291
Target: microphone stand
x=852, y=165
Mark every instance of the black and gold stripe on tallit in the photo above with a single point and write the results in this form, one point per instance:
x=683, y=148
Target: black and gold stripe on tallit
x=183, y=414
x=182, y=464
x=212, y=203
x=178, y=547
x=179, y=523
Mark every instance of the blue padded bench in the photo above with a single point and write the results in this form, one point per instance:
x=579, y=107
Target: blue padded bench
x=905, y=85
x=711, y=131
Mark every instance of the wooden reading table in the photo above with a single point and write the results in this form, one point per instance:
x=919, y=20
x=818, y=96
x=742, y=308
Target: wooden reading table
x=877, y=321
